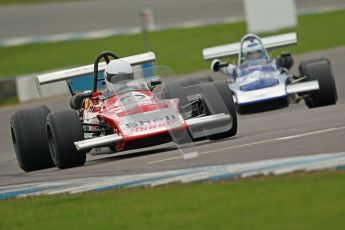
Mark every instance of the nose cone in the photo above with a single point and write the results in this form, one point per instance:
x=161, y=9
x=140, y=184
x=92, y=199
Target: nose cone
x=259, y=83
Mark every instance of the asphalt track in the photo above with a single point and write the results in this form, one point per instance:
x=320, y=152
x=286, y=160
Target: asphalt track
x=293, y=131
x=92, y=15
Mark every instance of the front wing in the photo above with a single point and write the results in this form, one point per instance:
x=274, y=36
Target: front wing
x=278, y=91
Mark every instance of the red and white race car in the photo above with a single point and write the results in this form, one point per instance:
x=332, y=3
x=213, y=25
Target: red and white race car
x=145, y=112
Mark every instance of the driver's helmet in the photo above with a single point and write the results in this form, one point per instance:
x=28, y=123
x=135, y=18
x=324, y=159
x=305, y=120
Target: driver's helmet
x=117, y=74
x=253, y=51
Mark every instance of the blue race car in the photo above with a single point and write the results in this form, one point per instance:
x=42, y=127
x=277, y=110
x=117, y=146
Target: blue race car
x=260, y=83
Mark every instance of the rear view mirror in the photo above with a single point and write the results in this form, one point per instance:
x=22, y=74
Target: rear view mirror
x=154, y=82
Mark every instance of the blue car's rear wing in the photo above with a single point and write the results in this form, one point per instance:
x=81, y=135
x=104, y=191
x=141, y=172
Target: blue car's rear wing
x=233, y=49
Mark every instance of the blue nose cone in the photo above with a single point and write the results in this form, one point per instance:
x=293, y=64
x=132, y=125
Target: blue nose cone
x=259, y=84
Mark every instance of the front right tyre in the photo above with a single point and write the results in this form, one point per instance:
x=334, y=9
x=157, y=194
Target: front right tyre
x=320, y=70
x=28, y=131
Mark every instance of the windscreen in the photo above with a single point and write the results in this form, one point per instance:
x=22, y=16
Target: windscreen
x=143, y=73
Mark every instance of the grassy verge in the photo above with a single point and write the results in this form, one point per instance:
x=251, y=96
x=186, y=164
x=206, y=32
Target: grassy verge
x=9, y=101
x=304, y=201
x=178, y=48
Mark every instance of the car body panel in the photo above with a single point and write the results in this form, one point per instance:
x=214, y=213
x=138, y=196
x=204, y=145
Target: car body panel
x=258, y=83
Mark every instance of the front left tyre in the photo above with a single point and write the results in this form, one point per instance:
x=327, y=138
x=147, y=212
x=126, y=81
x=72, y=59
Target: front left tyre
x=28, y=131
x=63, y=129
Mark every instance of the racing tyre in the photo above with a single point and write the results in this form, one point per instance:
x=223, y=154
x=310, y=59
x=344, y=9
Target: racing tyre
x=195, y=81
x=182, y=88
x=225, y=93
x=213, y=98
x=173, y=89
x=63, y=129
x=320, y=69
x=28, y=131
x=285, y=60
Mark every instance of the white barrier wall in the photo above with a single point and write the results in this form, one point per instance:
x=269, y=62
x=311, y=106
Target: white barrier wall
x=269, y=15
x=27, y=90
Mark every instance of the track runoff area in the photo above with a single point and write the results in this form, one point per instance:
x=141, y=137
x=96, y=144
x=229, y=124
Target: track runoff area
x=275, y=142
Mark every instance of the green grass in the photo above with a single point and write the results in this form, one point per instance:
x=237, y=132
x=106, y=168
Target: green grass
x=9, y=101
x=177, y=48
x=302, y=201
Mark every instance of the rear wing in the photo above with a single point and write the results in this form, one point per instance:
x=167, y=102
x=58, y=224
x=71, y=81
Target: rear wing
x=233, y=49
x=88, y=69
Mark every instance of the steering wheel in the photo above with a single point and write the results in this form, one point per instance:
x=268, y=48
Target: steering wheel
x=106, y=56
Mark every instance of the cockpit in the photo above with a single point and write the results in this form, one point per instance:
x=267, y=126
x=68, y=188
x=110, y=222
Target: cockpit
x=253, y=51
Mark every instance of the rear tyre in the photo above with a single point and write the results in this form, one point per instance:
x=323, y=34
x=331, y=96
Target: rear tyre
x=285, y=60
x=320, y=69
x=28, y=131
x=183, y=88
x=63, y=129
x=173, y=89
x=214, y=94
x=225, y=93
x=195, y=81
x=177, y=89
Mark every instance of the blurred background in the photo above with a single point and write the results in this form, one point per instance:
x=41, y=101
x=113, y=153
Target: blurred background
x=39, y=36
x=42, y=35
x=19, y=18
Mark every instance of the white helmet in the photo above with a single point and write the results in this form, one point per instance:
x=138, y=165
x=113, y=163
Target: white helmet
x=253, y=51
x=116, y=71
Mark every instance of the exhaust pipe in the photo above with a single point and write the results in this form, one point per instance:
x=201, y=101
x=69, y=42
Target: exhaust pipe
x=98, y=142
